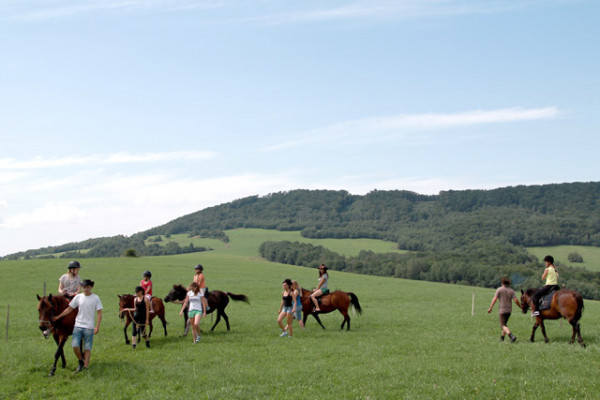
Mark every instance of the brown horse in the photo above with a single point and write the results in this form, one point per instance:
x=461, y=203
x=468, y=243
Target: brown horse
x=216, y=299
x=49, y=307
x=332, y=301
x=126, y=301
x=566, y=304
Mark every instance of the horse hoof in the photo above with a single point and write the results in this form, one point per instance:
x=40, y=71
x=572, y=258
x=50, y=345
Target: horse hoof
x=51, y=373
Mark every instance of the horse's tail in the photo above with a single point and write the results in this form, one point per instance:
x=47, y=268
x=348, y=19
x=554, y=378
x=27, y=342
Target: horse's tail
x=238, y=297
x=579, y=311
x=355, y=303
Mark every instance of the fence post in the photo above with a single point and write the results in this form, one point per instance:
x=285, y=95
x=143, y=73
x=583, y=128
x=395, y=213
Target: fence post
x=473, y=305
x=44, y=295
x=7, y=319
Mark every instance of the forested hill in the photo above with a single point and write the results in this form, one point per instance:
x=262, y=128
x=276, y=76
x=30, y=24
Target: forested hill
x=541, y=215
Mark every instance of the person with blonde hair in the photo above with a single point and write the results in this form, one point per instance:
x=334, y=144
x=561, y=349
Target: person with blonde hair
x=69, y=284
x=297, y=309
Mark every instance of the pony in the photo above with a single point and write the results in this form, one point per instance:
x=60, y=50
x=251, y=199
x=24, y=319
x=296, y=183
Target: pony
x=126, y=301
x=566, y=304
x=49, y=307
x=332, y=301
x=217, y=300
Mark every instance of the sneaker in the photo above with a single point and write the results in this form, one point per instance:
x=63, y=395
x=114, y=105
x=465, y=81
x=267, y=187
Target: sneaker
x=283, y=334
x=80, y=366
x=197, y=339
x=535, y=313
x=513, y=339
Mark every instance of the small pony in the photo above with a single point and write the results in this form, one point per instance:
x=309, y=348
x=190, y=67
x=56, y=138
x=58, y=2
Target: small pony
x=332, y=301
x=126, y=301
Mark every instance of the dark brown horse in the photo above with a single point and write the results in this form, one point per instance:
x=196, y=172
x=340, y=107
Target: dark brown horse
x=332, y=301
x=566, y=304
x=126, y=301
x=217, y=300
x=49, y=307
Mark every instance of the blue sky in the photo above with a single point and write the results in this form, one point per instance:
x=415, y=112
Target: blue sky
x=120, y=115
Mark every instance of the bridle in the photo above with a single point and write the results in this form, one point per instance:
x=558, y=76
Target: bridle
x=48, y=324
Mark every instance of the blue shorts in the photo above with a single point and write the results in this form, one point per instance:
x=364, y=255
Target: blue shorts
x=298, y=313
x=82, y=333
x=287, y=310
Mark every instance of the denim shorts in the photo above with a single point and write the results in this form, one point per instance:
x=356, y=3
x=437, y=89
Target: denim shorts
x=82, y=333
x=298, y=313
x=287, y=310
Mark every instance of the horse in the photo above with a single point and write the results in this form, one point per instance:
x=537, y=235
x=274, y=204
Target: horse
x=126, y=301
x=217, y=300
x=566, y=304
x=49, y=307
x=332, y=301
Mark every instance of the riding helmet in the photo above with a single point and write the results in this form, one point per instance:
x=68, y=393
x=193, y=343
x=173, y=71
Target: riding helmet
x=147, y=273
x=200, y=267
x=74, y=264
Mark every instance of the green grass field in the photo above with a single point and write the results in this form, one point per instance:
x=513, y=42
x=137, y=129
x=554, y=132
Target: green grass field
x=414, y=340
x=591, y=255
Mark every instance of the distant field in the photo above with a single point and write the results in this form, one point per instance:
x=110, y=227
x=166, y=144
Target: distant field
x=415, y=340
x=591, y=255
x=247, y=241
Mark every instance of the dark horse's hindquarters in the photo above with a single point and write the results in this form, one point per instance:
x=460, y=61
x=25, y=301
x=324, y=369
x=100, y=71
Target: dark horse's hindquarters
x=217, y=300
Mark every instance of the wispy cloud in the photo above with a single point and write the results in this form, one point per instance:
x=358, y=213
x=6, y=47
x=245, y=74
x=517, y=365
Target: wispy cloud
x=95, y=160
x=390, y=127
x=268, y=13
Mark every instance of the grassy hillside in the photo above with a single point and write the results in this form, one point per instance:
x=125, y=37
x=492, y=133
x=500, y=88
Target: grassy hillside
x=245, y=242
x=591, y=255
x=414, y=340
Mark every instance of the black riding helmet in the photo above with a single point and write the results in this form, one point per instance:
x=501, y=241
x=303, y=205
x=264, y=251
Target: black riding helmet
x=74, y=264
x=199, y=267
x=147, y=274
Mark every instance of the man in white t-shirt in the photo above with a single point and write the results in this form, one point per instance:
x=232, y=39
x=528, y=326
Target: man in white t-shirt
x=87, y=304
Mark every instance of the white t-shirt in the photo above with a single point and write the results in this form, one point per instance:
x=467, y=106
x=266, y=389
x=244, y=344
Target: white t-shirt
x=87, y=305
x=195, y=300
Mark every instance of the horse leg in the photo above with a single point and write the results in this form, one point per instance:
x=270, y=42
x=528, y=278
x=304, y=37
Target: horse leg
x=125, y=330
x=318, y=320
x=532, y=338
x=576, y=332
x=544, y=331
x=217, y=321
x=164, y=323
x=186, y=326
x=58, y=354
x=226, y=318
x=346, y=320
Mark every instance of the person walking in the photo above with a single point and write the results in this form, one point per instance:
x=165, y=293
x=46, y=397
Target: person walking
x=505, y=294
x=69, y=284
x=141, y=316
x=551, y=276
x=297, y=309
x=285, y=309
x=88, y=304
x=195, y=311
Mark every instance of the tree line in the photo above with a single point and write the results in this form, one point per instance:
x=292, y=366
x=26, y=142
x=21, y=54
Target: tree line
x=480, y=264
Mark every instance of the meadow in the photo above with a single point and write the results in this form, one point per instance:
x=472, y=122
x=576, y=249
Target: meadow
x=414, y=340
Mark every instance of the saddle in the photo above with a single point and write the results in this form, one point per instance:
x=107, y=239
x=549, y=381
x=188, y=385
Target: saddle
x=546, y=301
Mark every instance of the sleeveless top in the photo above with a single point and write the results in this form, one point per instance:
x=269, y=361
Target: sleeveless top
x=551, y=276
x=140, y=309
x=287, y=300
x=299, y=300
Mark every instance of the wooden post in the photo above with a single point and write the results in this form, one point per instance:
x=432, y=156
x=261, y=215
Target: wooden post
x=473, y=306
x=44, y=295
x=7, y=319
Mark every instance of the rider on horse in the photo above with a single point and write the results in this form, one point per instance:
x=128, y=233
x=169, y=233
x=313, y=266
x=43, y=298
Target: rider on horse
x=322, y=288
x=70, y=283
x=551, y=277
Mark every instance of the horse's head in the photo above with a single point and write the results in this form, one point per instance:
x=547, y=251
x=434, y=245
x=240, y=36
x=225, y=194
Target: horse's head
x=125, y=301
x=46, y=312
x=526, y=297
x=177, y=293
